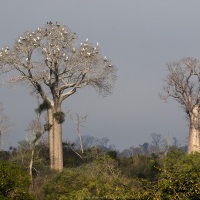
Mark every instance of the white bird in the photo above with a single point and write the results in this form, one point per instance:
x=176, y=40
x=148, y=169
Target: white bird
x=105, y=58
x=26, y=59
x=86, y=39
x=88, y=53
x=97, y=44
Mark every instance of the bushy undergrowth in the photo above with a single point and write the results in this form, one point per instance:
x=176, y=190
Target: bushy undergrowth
x=103, y=175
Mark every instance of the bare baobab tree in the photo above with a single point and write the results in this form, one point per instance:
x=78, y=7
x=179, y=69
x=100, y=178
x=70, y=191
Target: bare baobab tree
x=5, y=125
x=183, y=85
x=48, y=61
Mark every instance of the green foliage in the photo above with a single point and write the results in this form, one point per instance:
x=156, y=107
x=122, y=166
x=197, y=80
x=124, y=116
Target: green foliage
x=179, y=178
x=43, y=107
x=100, y=180
x=47, y=126
x=112, y=154
x=14, y=182
x=140, y=166
x=59, y=117
x=4, y=155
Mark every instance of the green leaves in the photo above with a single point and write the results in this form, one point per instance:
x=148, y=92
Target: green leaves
x=59, y=117
x=43, y=106
x=14, y=182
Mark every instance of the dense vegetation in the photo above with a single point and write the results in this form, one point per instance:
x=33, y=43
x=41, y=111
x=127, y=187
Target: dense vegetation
x=144, y=172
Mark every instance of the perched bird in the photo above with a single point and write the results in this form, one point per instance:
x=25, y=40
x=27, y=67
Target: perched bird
x=97, y=44
x=50, y=23
x=86, y=39
x=57, y=24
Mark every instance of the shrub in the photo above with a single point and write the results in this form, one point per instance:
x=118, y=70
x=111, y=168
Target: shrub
x=14, y=182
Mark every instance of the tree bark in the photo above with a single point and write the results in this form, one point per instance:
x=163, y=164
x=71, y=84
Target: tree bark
x=193, y=144
x=55, y=139
x=51, y=139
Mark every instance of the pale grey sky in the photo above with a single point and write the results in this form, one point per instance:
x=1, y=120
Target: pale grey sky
x=139, y=36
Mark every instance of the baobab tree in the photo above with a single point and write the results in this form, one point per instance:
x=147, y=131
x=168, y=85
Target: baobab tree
x=5, y=125
x=48, y=61
x=183, y=85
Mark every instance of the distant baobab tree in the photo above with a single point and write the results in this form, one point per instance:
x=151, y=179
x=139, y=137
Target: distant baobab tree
x=48, y=61
x=5, y=125
x=183, y=85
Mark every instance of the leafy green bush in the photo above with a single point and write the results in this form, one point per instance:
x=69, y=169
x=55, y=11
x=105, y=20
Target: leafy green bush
x=100, y=180
x=14, y=182
x=179, y=178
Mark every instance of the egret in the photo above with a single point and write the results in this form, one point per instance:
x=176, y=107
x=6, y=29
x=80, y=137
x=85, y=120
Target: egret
x=86, y=39
x=97, y=44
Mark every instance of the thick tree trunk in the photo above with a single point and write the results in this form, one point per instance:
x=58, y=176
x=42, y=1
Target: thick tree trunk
x=51, y=138
x=55, y=140
x=193, y=144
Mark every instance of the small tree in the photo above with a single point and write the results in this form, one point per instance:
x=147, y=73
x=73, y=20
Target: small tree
x=78, y=122
x=47, y=60
x=183, y=85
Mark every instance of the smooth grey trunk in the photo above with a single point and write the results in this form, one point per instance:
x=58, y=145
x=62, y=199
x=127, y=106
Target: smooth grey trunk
x=55, y=139
x=193, y=144
x=51, y=139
